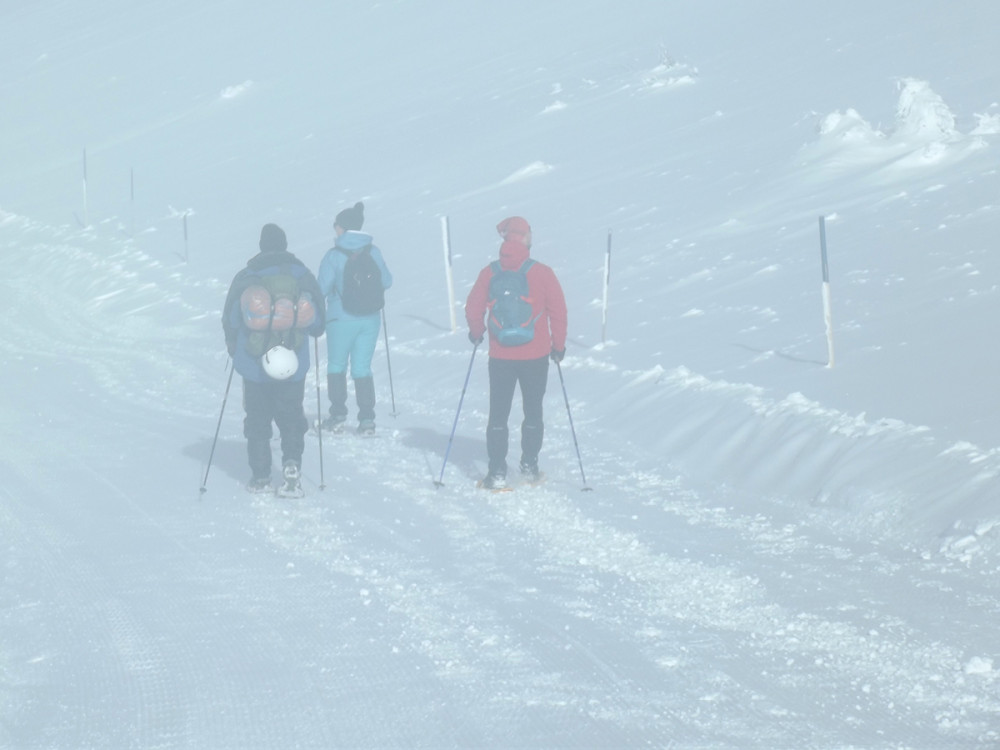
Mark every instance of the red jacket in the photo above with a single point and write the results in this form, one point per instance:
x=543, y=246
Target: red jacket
x=547, y=302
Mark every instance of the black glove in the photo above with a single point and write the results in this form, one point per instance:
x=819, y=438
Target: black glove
x=231, y=346
x=557, y=355
x=476, y=340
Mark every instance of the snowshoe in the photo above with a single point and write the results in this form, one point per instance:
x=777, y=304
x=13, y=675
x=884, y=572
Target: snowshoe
x=530, y=473
x=366, y=427
x=260, y=486
x=331, y=424
x=495, y=482
x=292, y=485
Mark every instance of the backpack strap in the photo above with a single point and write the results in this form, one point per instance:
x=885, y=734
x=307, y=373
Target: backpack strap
x=351, y=253
x=258, y=280
x=523, y=268
x=287, y=268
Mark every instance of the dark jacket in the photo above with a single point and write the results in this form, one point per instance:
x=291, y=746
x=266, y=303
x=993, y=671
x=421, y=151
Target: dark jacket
x=265, y=264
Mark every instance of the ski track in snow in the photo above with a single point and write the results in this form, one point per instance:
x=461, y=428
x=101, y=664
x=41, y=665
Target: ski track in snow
x=743, y=576
x=606, y=589
x=636, y=613
x=621, y=584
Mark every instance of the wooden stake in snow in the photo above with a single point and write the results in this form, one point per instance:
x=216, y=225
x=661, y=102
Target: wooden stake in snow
x=607, y=283
x=86, y=212
x=131, y=200
x=827, y=312
x=446, y=237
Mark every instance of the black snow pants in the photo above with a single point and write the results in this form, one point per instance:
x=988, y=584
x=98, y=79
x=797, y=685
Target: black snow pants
x=280, y=402
x=532, y=375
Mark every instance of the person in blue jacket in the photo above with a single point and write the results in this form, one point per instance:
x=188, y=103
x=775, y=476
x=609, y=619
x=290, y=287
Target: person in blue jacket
x=350, y=338
x=276, y=397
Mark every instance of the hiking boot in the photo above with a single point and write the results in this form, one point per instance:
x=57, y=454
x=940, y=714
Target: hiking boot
x=364, y=394
x=332, y=424
x=494, y=481
x=366, y=427
x=259, y=485
x=291, y=471
x=292, y=486
x=530, y=471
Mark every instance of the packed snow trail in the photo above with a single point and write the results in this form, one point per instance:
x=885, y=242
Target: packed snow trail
x=649, y=588
x=775, y=555
x=387, y=612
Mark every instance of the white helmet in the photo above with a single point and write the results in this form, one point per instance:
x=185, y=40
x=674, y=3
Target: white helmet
x=280, y=362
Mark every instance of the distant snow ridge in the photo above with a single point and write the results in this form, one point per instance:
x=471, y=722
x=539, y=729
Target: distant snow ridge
x=231, y=92
x=669, y=74
x=922, y=114
x=987, y=125
x=535, y=169
x=924, y=134
x=849, y=127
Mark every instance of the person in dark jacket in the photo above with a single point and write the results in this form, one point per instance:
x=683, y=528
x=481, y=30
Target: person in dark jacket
x=350, y=338
x=525, y=365
x=273, y=380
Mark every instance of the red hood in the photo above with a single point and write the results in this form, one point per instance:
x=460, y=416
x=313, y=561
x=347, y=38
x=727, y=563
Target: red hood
x=512, y=254
x=514, y=228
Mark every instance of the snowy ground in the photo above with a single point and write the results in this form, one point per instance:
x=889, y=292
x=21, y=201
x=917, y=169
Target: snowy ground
x=774, y=554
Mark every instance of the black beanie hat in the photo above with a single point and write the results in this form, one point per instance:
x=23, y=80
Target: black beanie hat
x=272, y=239
x=351, y=218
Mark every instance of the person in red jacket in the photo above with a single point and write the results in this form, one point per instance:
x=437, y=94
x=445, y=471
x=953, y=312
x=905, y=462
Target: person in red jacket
x=524, y=364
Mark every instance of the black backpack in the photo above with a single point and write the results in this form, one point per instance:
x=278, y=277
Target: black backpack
x=363, y=292
x=510, y=314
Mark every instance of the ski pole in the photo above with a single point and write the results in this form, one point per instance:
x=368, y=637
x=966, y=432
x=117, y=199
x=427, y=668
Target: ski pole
x=222, y=411
x=585, y=488
x=388, y=363
x=440, y=481
x=319, y=419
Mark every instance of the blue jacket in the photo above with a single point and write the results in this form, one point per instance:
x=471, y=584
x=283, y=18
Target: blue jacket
x=331, y=272
x=237, y=334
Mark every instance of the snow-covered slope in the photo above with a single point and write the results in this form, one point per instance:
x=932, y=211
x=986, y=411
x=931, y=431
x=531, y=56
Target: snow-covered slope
x=776, y=553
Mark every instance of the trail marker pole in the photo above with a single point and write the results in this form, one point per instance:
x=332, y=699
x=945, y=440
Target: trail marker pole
x=86, y=210
x=607, y=283
x=446, y=238
x=827, y=311
x=131, y=199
